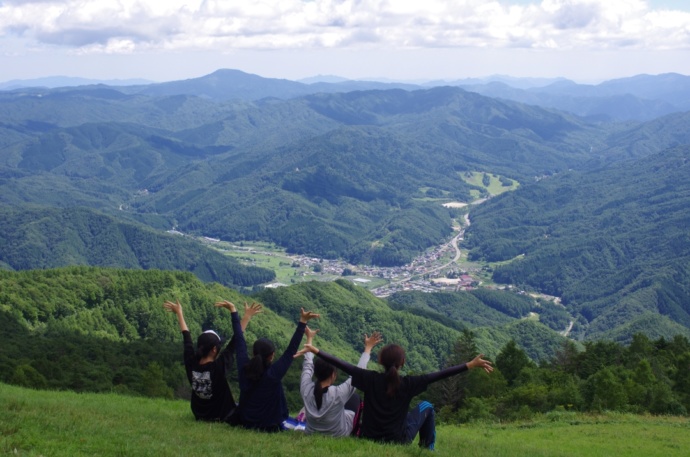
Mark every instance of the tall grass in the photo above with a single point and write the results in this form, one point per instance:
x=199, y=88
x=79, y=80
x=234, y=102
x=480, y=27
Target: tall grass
x=45, y=423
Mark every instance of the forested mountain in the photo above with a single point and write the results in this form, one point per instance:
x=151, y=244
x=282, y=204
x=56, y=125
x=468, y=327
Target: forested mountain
x=360, y=176
x=44, y=237
x=335, y=175
x=612, y=243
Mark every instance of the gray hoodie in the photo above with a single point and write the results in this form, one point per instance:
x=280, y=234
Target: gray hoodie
x=332, y=419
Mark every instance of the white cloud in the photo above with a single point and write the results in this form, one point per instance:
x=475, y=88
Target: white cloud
x=126, y=26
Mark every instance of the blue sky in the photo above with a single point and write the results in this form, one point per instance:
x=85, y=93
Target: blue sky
x=584, y=40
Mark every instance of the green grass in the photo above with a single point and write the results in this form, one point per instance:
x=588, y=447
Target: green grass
x=268, y=255
x=494, y=188
x=34, y=423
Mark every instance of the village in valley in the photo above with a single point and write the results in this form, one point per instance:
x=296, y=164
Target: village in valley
x=442, y=268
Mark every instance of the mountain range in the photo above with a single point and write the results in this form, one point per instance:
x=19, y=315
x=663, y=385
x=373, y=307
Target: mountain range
x=358, y=170
x=640, y=97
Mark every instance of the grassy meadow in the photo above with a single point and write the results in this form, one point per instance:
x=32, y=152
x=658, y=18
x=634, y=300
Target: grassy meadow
x=46, y=423
x=495, y=186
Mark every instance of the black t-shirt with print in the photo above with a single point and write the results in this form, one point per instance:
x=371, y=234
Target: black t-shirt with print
x=211, y=395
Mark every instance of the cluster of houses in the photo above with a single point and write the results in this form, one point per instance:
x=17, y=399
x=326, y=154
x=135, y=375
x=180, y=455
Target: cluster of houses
x=423, y=274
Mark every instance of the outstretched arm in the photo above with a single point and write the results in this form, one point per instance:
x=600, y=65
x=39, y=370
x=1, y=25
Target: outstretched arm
x=477, y=362
x=176, y=308
x=341, y=364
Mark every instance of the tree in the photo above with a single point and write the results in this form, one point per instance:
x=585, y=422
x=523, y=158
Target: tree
x=152, y=383
x=566, y=358
x=511, y=360
x=452, y=391
x=606, y=392
x=27, y=376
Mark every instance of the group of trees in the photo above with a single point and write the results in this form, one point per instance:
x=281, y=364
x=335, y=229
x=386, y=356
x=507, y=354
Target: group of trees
x=643, y=377
x=481, y=307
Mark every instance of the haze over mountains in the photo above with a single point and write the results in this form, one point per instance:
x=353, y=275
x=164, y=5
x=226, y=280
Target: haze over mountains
x=640, y=97
x=358, y=170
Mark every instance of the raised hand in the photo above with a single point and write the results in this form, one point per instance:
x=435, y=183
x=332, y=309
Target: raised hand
x=176, y=308
x=173, y=307
x=227, y=305
x=307, y=348
x=371, y=341
x=310, y=334
x=479, y=362
x=253, y=309
x=306, y=316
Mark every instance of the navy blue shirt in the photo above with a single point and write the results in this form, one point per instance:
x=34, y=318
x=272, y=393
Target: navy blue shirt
x=262, y=404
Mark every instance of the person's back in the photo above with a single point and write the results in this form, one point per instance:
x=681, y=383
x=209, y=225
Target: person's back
x=330, y=409
x=331, y=418
x=387, y=396
x=264, y=405
x=262, y=399
x=207, y=366
x=384, y=416
x=211, y=396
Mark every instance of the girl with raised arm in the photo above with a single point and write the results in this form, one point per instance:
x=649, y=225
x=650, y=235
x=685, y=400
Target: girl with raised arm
x=387, y=396
x=208, y=366
x=262, y=399
x=329, y=409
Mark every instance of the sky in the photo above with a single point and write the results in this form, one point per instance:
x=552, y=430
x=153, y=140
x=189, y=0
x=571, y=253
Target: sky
x=161, y=40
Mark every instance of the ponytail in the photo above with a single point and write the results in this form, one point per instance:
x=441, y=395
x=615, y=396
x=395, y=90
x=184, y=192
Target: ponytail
x=392, y=381
x=318, y=394
x=322, y=370
x=392, y=357
x=255, y=368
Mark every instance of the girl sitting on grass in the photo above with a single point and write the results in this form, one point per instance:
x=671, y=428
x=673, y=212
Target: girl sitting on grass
x=329, y=409
x=208, y=366
x=262, y=399
x=387, y=396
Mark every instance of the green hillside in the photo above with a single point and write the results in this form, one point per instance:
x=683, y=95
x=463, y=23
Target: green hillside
x=44, y=237
x=612, y=243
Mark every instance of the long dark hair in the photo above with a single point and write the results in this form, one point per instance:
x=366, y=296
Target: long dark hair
x=392, y=357
x=254, y=369
x=322, y=370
